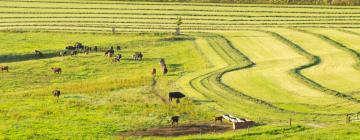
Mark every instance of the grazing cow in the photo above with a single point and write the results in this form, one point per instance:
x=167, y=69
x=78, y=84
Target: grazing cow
x=56, y=70
x=165, y=70
x=87, y=50
x=162, y=62
x=79, y=46
x=4, y=68
x=110, y=52
x=118, y=48
x=176, y=95
x=153, y=73
x=175, y=120
x=117, y=58
x=138, y=56
x=56, y=93
x=220, y=119
x=62, y=53
x=70, y=48
x=38, y=53
x=73, y=53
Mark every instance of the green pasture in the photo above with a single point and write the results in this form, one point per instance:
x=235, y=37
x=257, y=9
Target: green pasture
x=266, y=63
x=99, y=98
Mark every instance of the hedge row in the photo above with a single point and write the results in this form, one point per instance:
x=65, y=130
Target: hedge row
x=299, y=2
x=179, y=10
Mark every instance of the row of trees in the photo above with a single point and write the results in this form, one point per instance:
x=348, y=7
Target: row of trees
x=317, y=2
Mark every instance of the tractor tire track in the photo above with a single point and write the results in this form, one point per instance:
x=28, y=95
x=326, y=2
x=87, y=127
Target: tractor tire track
x=315, y=60
x=215, y=77
x=339, y=45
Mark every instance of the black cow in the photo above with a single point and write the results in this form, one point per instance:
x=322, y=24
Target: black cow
x=38, y=53
x=165, y=70
x=138, y=56
x=109, y=53
x=79, y=46
x=70, y=48
x=176, y=95
x=162, y=62
x=117, y=58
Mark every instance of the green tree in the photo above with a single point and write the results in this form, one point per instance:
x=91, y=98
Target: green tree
x=178, y=23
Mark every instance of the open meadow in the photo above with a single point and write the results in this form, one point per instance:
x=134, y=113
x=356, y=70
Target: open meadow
x=292, y=69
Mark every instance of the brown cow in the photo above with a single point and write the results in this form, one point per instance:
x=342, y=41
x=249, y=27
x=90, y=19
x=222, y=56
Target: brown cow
x=56, y=70
x=4, y=68
x=220, y=119
x=153, y=73
x=56, y=93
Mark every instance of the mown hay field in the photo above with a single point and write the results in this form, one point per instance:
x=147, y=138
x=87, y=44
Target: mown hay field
x=267, y=63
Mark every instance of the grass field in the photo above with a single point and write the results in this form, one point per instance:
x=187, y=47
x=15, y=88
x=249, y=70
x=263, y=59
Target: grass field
x=267, y=63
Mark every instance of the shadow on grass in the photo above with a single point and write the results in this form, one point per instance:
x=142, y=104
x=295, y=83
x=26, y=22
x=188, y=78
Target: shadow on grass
x=25, y=57
x=197, y=102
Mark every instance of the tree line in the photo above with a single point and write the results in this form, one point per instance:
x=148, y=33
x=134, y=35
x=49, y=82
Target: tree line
x=299, y=2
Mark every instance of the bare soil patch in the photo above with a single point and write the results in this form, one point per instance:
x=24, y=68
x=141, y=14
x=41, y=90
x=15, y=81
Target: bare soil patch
x=179, y=130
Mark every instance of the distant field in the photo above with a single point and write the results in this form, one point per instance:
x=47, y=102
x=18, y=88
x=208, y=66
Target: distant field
x=267, y=63
x=101, y=16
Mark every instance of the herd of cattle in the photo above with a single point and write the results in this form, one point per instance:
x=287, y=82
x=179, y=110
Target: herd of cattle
x=80, y=48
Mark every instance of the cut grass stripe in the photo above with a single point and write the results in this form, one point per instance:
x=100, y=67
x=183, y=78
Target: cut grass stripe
x=44, y=18
x=218, y=82
x=337, y=44
x=315, y=60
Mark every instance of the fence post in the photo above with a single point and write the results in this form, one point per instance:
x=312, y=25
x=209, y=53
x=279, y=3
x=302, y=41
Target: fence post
x=113, y=30
x=347, y=118
x=290, y=122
